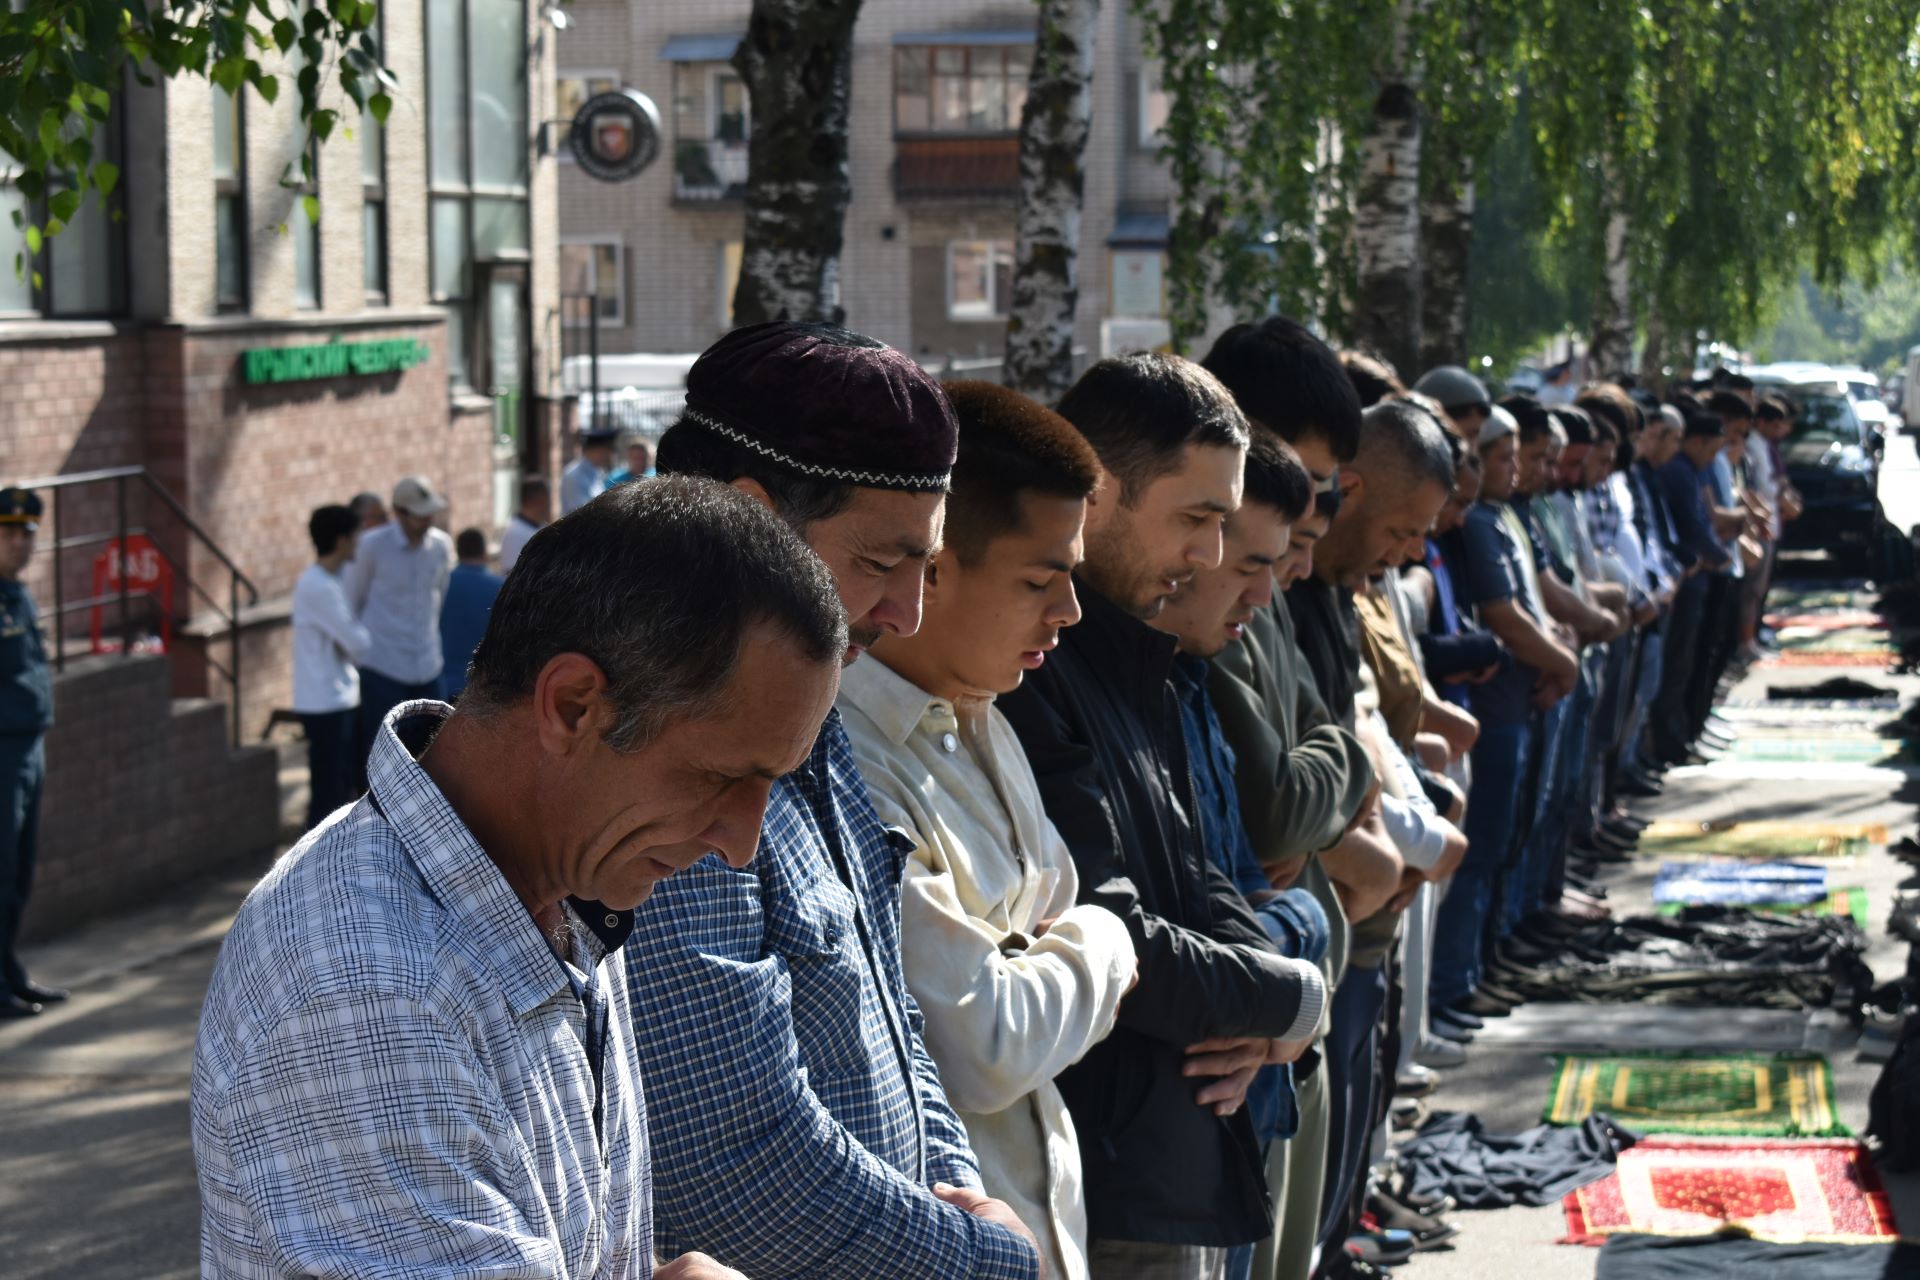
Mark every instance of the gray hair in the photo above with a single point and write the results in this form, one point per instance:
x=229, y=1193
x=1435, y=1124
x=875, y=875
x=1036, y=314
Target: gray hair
x=659, y=583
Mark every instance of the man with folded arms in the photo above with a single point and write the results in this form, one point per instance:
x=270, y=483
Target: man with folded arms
x=416, y=1059
x=1016, y=981
x=798, y=1122
x=1175, y=1176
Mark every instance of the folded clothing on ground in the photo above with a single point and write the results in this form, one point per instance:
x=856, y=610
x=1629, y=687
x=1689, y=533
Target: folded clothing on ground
x=1454, y=1155
x=1738, y=1257
x=1709, y=955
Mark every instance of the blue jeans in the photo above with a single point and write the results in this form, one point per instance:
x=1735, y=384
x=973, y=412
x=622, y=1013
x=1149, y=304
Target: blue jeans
x=1499, y=763
x=1523, y=881
x=378, y=695
x=330, y=763
x=1352, y=1027
x=1646, y=686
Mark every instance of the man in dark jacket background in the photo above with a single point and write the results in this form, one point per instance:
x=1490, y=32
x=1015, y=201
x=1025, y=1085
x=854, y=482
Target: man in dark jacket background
x=1173, y=1172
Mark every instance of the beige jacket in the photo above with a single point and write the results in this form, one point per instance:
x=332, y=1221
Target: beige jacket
x=1007, y=1007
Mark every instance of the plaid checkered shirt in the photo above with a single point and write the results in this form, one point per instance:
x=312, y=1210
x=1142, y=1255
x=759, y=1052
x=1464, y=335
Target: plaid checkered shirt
x=797, y=1119
x=395, y=1075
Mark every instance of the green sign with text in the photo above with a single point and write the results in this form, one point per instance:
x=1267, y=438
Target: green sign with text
x=331, y=360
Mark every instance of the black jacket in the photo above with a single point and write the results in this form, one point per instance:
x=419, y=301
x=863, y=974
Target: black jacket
x=1102, y=731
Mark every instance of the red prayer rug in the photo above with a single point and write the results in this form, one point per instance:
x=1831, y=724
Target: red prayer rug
x=1810, y=1189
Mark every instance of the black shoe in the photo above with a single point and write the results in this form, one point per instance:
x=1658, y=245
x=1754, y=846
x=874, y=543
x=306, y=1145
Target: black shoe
x=1429, y=1232
x=13, y=1006
x=1639, y=785
x=1602, y=856
x=1601, y=838
x=1486, y=1006
x=1525, y=954
x=1500, y=992
x=1629, y=829
x=34, y=993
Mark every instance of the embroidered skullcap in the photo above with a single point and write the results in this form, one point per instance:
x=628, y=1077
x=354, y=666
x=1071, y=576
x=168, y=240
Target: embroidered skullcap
x=824, y=402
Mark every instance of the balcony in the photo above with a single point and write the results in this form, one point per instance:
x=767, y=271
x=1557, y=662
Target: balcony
x=975, y=168
x=709, y=172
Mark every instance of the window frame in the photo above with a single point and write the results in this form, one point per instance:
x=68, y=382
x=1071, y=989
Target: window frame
x=234, y=189
x=600, y=241
x=110, y=143
x=311, y=227
x=933, y=128
x=998, y=309
x=716, y=73
x=1146, y=83
x=376, y=261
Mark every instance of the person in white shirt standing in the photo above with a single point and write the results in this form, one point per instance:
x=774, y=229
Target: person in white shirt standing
x=586, y=476
x=327, y=641
x=1015, y=981
x=396, y=583
x=535, y=513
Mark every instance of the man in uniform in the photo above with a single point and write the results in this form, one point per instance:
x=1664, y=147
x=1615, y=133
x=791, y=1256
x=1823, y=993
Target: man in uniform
x=26, y=709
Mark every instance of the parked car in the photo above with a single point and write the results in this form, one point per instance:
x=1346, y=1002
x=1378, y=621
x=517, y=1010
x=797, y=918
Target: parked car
x=1834, y=461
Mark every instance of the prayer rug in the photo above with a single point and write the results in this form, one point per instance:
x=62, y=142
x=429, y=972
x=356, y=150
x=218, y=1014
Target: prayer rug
x=1788, y=1095
x=1739, y=883
x=1839, y=639
x=1841, y=902
x=1763, y=839
x=1852, y=748
x=1876, y=657
x=1826, y=620
x=1815, y=1189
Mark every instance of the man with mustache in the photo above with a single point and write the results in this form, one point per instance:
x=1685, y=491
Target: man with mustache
x=1174, y=1174
x=1016, y=981
x=415, y=1056
x=799, y=1125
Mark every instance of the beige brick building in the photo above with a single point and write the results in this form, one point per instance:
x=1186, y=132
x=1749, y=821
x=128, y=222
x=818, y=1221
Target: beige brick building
x=437, y=236
x=937, y=88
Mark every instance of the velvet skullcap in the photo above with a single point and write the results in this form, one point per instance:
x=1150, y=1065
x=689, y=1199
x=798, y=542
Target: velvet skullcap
x=826, y=403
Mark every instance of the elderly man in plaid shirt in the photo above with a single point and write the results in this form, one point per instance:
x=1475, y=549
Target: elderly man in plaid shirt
x=798, y=1121
x=416, y=1060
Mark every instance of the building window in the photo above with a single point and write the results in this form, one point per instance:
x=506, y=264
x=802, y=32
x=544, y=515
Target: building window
x=477, y=142
x=731, y=254
x=979, y=279
x=304, y=227
x=1154, y=102
x=373, y=208
x=229, y=200
x=960, y=88
x=598, y=268
x=711, y=121
x=82, y=269
x=571, y=89
x=1139, y=288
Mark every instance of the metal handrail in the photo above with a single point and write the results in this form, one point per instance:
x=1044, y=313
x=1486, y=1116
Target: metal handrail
x=237, y=581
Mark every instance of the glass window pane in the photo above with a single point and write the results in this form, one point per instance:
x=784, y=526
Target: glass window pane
x=730, y=108
x=988, y=106
x=950, y=61
x=1019, y=61
x=968, y=281
x=606, y=275
x=568, y=93
x=446, y=93
x=373, y=246
x=16, y=288
x=576, y=268
x=499, y=62
x=226, y=136
x=83, y=257
x=230, y=247
x=499, y=227
x=910, y=71
x=459, y=359
x=449, y=248
x=950, y=103
x=912, y=114
x=306, y=257
x=373, y=145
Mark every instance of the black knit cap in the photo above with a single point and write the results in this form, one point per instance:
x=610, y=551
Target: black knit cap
x=827, y=403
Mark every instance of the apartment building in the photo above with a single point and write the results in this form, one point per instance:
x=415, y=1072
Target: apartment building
x=937, y=92
x=259, y=362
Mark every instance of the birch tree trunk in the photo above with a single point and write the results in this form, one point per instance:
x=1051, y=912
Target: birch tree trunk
x=1387, y=230
x=797, y=62
x=1446, y=242
x=1612, y=345
x=1053, y=143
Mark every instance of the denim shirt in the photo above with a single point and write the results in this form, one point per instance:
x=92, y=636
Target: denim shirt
x=1294, y=920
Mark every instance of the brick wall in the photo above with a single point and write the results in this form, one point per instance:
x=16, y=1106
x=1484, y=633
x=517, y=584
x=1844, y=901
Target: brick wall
x=182, y=804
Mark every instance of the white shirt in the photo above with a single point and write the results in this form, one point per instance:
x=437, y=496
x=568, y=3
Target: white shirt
x=396, y=589
x=327, y=641
x=514, y=541
x=1006, y=1010
x=580, y=484
x=1764, y=483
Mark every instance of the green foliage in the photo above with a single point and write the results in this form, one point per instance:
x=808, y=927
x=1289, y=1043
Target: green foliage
x=1871, y=325
x=60, y=60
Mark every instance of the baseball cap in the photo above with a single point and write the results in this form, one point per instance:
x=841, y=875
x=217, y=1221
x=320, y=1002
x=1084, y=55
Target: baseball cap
x=21, y=507
x=415, y=496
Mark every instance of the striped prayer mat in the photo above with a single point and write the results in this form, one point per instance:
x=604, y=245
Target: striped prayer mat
x=1851, y=901
x=1747, y=1094
x=1737, y=882
x=1809, y=1189
x=1764, y=839
x=1878, y=656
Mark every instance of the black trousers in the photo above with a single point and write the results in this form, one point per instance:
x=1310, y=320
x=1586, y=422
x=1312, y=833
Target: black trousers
x=23, y=771
x=331, y=763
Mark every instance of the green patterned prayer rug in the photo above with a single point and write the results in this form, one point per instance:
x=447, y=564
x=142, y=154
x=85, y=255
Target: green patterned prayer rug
x=1841, y=902
x=1768, y=839
x=1787, y=1095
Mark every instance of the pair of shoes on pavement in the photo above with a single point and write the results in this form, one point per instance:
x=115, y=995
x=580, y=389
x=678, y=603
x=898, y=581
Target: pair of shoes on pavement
x=1439, y=1053
x=29, y=999
x=1415, y=1081
x=1389, y=1212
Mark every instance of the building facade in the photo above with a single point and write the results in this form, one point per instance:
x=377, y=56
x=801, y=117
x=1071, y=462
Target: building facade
x=259, y=362
x=937, y=93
